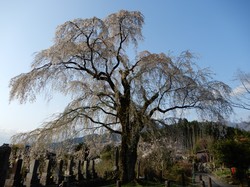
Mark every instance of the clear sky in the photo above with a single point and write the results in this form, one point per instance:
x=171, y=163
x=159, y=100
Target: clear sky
x=218, y=32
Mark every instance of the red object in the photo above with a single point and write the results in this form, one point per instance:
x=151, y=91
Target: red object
x=233, y=170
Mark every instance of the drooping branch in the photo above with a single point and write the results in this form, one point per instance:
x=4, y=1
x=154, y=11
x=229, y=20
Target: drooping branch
x=105, y=125
x=149, y=102
x=240, y=96
x=78, y=113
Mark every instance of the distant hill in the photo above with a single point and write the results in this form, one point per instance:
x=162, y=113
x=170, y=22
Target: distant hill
x=242, y=125
x=5, y=135
x=100, y=138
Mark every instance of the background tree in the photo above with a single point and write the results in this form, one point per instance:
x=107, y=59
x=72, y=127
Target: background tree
x=234, y=153
x=111, y=91
x=241, y=94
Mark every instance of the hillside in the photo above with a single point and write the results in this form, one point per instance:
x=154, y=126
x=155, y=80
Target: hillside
x=5, y=135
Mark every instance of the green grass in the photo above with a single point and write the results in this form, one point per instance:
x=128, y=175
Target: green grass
x=223, y=174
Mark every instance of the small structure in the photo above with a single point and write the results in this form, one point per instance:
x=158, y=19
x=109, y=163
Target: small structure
x=203, y=156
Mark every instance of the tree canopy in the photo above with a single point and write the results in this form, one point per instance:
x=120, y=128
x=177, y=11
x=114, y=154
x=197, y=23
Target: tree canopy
x=110, y=90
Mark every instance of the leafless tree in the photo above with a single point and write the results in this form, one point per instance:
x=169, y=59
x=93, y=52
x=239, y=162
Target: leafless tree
x=110, y=90
x=241, y=94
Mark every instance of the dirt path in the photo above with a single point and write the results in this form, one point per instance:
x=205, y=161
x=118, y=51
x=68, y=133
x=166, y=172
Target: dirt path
x=215, y=181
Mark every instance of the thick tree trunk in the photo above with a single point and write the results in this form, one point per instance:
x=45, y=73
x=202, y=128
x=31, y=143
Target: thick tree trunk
x=128, y=156
x=131, y=122
x=130, y=139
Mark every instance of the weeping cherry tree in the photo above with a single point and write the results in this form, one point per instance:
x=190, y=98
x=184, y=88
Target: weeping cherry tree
x=110, y=90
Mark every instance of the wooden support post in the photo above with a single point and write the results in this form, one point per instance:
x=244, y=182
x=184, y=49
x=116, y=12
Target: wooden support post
x=209, y=182
x=202, y=183
x=200, y=177
x=138, y=169
x=183, y=179
x=167, y=183
x=118, y=183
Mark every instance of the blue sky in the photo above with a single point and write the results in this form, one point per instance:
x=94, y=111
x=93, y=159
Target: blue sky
x=218, y=32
